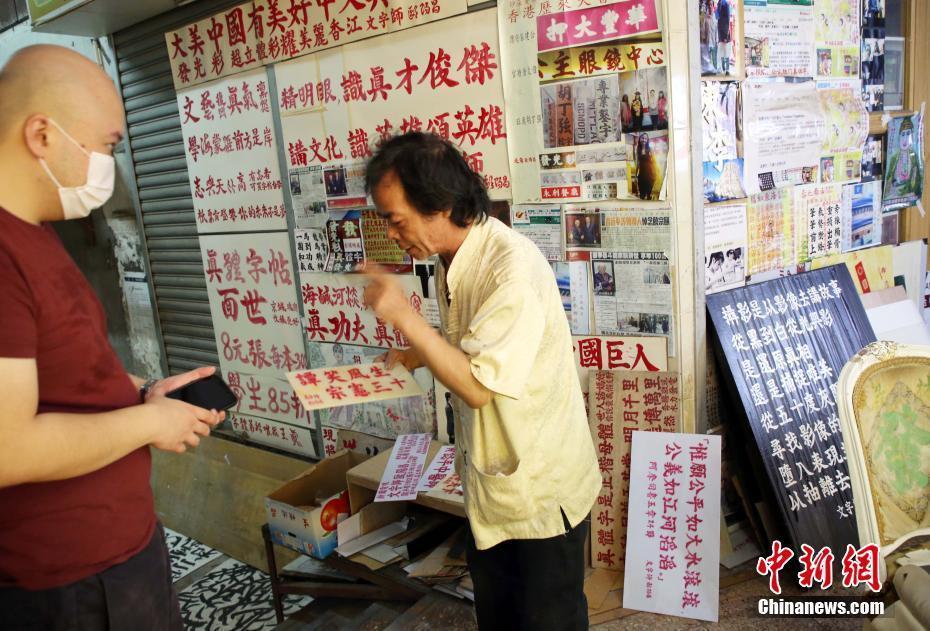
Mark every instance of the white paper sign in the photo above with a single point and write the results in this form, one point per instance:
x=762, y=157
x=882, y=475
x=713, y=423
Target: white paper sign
x=673, y=537
x=439, y=469
x=402, y=473
x=335, y=311
x=232, y=157
x=253, y=301
x=298, y=440
x=786, y=125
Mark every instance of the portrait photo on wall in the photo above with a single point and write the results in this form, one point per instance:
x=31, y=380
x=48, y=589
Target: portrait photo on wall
x=646, y=168
x=604, y=283
x=720, y=34
x=582, y=230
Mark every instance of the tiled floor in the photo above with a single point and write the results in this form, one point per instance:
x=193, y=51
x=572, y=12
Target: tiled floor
x=221, y=594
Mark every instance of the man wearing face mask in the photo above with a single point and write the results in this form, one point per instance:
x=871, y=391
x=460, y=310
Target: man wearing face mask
x=80, y=547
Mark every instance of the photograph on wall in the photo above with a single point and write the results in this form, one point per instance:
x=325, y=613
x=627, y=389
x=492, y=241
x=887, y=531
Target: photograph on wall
x=725, y=246
x=344, y=232
x=872, y=159
x=721, y=46
x=779, y=38
x=645, y=171
x=904, y=168
x=872, y=69
x=582, y=230
x=643, y=100
x=862, y=215
x=723, y=180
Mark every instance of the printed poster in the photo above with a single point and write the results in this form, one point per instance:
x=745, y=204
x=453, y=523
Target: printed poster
x=862, y=215
x=846, y=127
x=718, y=120
x=779, y=38
x=837, y=37
x=612, y=227
x=725, y=250
x=637, y=298
x=904, y=170
x=620, y=403
x=771, y=231
x=543, y=226
x=645, y=353
x=232, y=155
x=381, y=249
x=818, y=218
x=339, y=105
x=572, y=280
x=871, y=269
x=786, y=125
x=673, y=551
x=312, y=249
x=402, y=473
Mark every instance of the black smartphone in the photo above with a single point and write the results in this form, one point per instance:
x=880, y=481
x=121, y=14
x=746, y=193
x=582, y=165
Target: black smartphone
x=210, y=393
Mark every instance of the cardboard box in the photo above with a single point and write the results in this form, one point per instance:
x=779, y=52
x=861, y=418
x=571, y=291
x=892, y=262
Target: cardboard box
x=303, y=514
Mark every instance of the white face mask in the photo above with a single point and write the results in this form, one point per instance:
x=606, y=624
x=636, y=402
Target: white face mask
x=78, y=201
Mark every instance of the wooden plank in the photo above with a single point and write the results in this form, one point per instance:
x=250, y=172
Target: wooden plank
x=916, y=91
x=437, y=611
x=215, y=494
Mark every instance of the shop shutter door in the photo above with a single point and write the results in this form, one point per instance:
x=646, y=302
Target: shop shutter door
x=157, y=151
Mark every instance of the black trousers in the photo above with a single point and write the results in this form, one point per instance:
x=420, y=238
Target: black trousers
x=532, y=584
x=136, y=595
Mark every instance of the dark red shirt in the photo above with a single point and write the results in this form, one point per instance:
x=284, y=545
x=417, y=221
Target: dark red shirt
x=54, y=533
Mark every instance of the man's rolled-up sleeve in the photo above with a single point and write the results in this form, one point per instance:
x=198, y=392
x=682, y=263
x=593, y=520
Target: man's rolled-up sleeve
x=503, y=338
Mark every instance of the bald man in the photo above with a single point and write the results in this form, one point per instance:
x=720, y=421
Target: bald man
x=80, y=547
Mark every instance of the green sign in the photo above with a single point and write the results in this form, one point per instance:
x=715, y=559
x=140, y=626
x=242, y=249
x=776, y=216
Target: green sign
x=40, y=8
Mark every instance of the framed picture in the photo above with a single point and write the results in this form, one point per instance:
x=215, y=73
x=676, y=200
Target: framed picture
x=894, y=73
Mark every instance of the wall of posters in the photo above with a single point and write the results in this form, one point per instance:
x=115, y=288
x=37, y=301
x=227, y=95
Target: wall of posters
x=232, y=156
x=338, y=105
x=570, y=97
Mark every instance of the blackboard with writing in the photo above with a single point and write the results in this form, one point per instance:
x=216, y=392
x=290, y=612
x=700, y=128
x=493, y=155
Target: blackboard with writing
x=785, y=342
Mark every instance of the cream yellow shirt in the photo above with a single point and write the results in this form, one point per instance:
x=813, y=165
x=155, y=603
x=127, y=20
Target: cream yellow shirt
x=528, y=452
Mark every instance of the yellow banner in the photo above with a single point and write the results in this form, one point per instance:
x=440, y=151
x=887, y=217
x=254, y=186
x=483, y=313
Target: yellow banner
x=591, y=61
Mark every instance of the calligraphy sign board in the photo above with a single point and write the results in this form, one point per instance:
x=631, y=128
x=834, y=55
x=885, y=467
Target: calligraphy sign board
x=622, y=402
x=253, y=303
x=345, y=385
x=643, y=353
x=298, y=440
x=231, y=154
x=673, y=552
x=785, y=342
x=335, y=311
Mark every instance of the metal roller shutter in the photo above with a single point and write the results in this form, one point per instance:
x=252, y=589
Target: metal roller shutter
x=160, y=170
